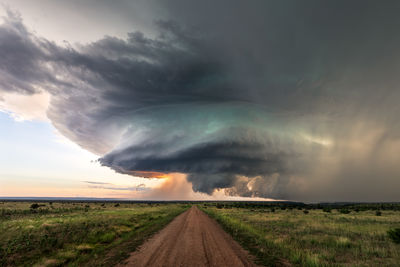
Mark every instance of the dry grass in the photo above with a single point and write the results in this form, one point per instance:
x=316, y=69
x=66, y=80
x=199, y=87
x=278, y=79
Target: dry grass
x=314, y=239
x=77, y=234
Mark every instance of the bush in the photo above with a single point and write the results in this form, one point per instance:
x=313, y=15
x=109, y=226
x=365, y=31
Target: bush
x=34, y=206
x=394, y=235
x=306, y=211
x=107, y=237
x=378, y=213
x=345, y=211
x=116, y=205
x=327, y=209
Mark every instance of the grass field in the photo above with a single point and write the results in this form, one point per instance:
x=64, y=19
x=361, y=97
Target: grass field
x=304, y=236
x=103, y=234
x=77, y=234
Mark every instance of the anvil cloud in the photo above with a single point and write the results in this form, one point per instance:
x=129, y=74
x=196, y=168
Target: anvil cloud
x=293, y=100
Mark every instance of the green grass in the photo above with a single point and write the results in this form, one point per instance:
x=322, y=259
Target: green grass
x=77, y=234
x=291, y=237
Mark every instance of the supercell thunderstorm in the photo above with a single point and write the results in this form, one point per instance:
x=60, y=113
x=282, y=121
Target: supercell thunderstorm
x=302, y=113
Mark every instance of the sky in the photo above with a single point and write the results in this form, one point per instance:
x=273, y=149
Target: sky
x=200, y=99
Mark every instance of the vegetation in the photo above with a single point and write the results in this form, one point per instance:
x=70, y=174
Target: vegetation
x=284, y=234
x=277, y=233
x=394, y=235
x=77, y=234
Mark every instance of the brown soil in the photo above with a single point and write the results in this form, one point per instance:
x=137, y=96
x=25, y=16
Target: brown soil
x=191, y=239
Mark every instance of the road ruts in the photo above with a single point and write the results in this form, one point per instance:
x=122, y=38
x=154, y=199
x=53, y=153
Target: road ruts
x=191, y=239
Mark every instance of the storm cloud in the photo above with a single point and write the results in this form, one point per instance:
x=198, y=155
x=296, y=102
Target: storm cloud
x=293, y=100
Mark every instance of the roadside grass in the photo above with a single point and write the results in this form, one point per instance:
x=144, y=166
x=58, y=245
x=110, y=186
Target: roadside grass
x=285, y=237
x=77, y=234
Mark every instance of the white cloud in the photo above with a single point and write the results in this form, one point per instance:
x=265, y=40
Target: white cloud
x=25, y=107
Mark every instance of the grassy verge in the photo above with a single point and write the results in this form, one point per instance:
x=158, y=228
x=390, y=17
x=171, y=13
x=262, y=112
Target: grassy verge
x=249, y=237
x=77, y=234
x=280, y=236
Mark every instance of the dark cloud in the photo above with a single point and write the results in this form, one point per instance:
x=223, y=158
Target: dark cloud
x=286, y=99
x=21, y=61
x=210, y=165
x=208, y=158
x=109, y=186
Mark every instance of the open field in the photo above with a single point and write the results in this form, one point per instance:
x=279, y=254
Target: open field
x=77, y=234
x=277, y=234
x=283, y=234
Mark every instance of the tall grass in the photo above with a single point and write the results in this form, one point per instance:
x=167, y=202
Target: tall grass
x=319, y=238
x=77, y=234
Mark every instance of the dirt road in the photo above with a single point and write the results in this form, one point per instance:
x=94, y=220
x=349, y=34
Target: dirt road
x=191, y=239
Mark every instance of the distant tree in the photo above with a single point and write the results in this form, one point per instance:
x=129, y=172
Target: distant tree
x=378, y=213
x=306, y=211
x=116, y=205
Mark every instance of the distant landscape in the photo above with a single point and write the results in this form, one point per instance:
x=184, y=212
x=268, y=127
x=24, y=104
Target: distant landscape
x=104, y=233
